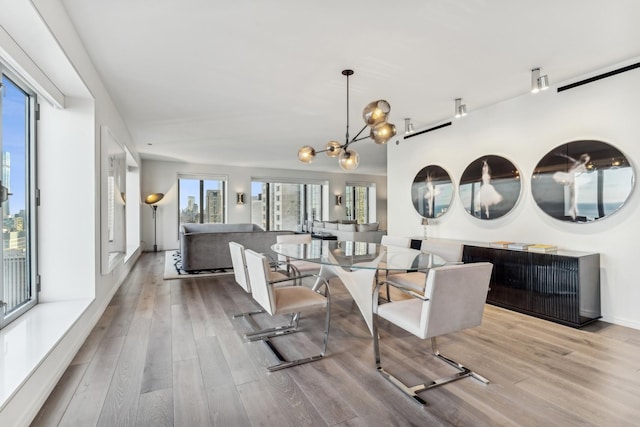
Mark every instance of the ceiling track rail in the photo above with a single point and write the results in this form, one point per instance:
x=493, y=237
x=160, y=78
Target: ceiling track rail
x=427, y=130
x=599, y=77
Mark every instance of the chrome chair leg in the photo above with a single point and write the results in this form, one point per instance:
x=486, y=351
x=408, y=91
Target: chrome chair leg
x=412, y=391
x=289, y=363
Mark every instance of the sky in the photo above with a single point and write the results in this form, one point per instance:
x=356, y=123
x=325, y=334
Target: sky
x=14, y=111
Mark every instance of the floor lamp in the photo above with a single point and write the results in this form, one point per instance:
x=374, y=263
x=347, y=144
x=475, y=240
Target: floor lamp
x=151, y=200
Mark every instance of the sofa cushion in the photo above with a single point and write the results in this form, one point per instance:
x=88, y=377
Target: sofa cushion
x=331, y=226
x=219, y=228
x=348, y=221
x=368, y=227
x=347, y=227
x=318, y=224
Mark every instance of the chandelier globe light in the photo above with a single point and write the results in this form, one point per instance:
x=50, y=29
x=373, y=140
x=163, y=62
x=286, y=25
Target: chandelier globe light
x=375, y=115
x=334, y=148
x=349, y=159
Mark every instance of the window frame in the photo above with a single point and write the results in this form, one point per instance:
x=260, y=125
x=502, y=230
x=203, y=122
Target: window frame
x=205, y=177
x=31, y=197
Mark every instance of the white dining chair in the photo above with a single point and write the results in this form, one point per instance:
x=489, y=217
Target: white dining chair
x=451, y=252
x=391, y=241
x=284, y=300
x=454, y=300
x=241, y=276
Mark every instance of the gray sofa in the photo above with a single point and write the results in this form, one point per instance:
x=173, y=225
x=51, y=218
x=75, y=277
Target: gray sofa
x=206, y=246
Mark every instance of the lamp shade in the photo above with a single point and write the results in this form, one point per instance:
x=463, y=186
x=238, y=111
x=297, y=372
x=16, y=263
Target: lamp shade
x=333, y=148
x=382, y=132
x=306, y=154
x=376, y=112
x=349, y=159
x=154, y=198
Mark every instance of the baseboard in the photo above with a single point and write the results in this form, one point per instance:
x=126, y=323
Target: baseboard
x=634, y=324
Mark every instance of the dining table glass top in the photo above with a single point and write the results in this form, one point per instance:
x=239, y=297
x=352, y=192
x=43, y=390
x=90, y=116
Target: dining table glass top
x=348, y=254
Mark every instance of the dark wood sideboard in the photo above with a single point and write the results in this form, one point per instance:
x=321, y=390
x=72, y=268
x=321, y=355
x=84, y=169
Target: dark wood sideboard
x=562, y=286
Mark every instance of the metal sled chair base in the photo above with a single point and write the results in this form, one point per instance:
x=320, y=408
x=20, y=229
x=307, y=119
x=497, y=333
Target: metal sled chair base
x=412, y=391
x=264, y=335
x=284, y=363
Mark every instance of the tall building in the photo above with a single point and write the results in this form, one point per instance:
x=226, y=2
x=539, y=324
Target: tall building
x=214, y=207
x=190, y=214
x=286, y=209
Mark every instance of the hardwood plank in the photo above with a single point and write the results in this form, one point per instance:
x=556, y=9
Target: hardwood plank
x=183, y=342
x=190, y=407
x=121, y=403
x=276, y=400
x=155, y=409
x=158, y=367
x=86, y=404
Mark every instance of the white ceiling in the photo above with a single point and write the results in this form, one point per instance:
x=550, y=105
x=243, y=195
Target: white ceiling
x=247, y=82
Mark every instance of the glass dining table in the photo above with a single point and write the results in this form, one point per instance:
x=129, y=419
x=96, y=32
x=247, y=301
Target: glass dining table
x=356, y=265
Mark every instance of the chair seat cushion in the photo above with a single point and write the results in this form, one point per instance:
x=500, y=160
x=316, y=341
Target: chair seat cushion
x=405, y=313
x=414, y=281
x=296, y=299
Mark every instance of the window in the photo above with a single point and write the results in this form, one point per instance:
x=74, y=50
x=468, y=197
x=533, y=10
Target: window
x=296, y=202
x=202, y=201
x=17, y=197
x=360, y=202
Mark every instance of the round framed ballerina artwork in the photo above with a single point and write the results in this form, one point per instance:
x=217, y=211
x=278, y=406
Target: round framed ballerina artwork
x=582, y=181
x=490, y=187
x=432, y=191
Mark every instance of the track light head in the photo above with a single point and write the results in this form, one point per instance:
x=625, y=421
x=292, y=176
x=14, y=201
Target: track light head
x=460, y=109
x=538, y=82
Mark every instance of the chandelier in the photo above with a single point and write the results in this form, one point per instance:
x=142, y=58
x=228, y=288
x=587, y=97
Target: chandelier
x=375, y=116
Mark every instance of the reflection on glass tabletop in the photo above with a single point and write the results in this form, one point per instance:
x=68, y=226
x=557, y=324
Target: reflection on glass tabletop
x=349, y=254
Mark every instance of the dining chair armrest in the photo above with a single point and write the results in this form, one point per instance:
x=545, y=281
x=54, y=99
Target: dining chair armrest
x=298, y=279
x=401, y=289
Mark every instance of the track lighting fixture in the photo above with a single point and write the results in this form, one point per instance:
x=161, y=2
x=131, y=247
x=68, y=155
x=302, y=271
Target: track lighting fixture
x=538, y=82
x=460, y=109
x=408, y=126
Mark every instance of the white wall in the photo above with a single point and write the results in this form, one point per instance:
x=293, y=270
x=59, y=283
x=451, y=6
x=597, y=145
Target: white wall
x=162, y=177
x=42, y=42
x=523, y=130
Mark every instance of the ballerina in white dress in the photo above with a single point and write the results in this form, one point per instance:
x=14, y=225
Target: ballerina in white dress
x=487, y=195
x=568, y=179
x=430, y=196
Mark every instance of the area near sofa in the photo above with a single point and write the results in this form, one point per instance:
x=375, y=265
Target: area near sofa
x=206, y=246
x=348, y=230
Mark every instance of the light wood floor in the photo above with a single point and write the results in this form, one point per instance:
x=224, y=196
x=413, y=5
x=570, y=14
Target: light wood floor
x=168, y=353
